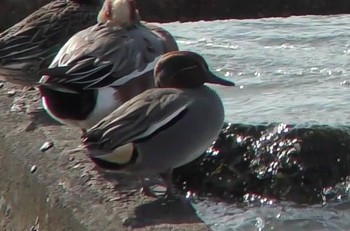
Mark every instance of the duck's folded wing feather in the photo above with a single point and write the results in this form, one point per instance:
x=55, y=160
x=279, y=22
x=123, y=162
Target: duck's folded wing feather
x=138, y=119
x=102, y=56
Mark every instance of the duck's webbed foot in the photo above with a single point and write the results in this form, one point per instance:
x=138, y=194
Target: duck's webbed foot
x=145, y=190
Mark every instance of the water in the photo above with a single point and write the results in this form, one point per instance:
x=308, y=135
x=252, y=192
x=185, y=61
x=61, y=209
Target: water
x=293, y=70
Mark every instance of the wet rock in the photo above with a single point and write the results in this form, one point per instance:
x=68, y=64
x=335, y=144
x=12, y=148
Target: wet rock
x=285, y=162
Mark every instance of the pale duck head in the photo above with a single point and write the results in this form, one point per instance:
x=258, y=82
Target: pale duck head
x=122, y=13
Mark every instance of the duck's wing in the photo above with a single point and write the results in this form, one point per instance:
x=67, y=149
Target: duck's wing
x=103, y=55
x=37, y=38
x=169, y=42
x=138, y=119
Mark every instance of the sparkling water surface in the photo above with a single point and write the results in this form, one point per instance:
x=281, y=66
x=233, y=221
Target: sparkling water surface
x=293, y=70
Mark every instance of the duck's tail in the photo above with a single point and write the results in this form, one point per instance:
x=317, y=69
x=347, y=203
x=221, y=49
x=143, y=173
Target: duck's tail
x=50, y=81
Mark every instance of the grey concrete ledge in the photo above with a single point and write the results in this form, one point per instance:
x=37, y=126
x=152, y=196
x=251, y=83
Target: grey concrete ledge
x=66, y=192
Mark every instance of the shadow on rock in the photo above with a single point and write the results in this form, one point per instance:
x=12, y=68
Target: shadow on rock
x=123, y=182
x=162, y=211
x=40, y=118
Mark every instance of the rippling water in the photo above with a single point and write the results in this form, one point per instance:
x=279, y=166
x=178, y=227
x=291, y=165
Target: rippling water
x=293, y=70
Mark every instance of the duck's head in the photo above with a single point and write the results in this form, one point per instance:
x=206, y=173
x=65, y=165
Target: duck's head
x=185, y=69
x=122, y=13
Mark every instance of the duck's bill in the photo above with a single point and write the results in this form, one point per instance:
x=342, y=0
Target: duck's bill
x=211, y=78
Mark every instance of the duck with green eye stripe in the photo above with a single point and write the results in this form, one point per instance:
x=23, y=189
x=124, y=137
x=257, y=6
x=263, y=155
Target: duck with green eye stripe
x=165, y=127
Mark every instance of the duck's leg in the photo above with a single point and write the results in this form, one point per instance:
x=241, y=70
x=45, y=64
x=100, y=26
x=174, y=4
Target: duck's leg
x=145, y=190
x=170, y=190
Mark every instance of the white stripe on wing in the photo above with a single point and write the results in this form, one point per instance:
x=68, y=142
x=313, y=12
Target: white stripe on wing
x=135, y=73
x=152, y=127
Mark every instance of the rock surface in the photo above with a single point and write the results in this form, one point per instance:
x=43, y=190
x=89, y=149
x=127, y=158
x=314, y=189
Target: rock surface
x=54, y=190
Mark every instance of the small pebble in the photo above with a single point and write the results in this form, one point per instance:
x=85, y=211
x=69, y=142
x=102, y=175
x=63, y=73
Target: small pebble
x=1, y=84
x=11, y=93
x=17, y=107
x=46, y=146
x=71, y=158
x=30, y=88
x=85, y=175
x=76, y=166
x=115, y=198
x=33, y=169
x=345, y=82
x=34, y=228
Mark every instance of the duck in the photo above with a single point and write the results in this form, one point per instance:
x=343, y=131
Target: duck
x=28, y=47
x=103, y=66
x=163, y=127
